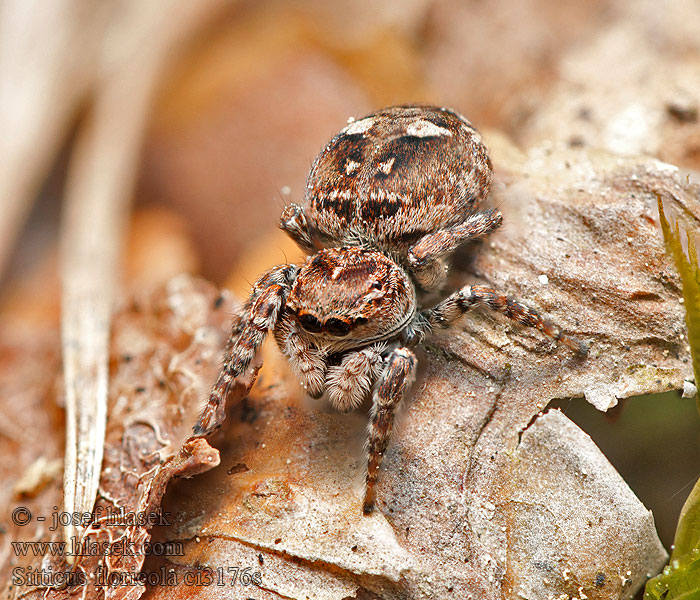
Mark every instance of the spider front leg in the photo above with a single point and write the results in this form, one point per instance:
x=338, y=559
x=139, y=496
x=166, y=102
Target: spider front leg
x=426, y=256
x=349, y=383
x=456, y=305
x=259, y=315
x=398, y=374
x=308, y=363
x=293, y=222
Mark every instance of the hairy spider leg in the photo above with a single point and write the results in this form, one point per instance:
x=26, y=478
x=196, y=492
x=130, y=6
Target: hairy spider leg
x=426, y=256
x=349, y=382
x=259, y=315
x=397, y=376
x=308, y=363
x=456, y=305
x=293, y=222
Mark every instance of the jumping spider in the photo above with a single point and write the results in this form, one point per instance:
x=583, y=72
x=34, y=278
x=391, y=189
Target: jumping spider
x=387, y=201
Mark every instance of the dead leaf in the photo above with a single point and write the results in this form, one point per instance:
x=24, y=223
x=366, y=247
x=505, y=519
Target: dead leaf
x=473, y=482
x=165, y=351
x=479, y=495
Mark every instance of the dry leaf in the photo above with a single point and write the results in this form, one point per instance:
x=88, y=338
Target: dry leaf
x=164, y=353
x=479, y=497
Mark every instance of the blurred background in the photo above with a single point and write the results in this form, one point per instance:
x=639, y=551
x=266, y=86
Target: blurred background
x=173, y=132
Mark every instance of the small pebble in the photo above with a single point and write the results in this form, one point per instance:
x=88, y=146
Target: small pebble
x=689, y=389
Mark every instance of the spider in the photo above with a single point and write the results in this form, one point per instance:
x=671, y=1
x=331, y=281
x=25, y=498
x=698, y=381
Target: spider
x=386, y=203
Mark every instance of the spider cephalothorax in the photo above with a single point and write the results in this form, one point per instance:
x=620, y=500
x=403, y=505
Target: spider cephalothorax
x=344, y=294
x=387, y=201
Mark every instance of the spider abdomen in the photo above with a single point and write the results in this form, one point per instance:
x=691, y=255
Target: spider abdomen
x=396, y=175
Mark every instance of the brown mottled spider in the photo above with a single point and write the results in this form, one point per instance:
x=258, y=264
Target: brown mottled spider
x=387, y=201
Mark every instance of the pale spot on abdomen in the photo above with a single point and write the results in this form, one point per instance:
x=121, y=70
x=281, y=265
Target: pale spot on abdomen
x=423, y=128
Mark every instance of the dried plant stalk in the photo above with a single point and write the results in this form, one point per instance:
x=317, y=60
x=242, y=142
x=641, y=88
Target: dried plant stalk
x=101, y=177
x=43, y=77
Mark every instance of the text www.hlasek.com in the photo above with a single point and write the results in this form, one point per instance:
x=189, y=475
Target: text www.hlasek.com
x=92, y=547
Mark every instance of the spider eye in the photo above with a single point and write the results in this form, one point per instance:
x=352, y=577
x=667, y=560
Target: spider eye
x=310, y=323
x=360, y=321
x=337, y=327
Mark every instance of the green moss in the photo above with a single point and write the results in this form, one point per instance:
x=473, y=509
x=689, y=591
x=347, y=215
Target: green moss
x=681, y=577
x=690, y=278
